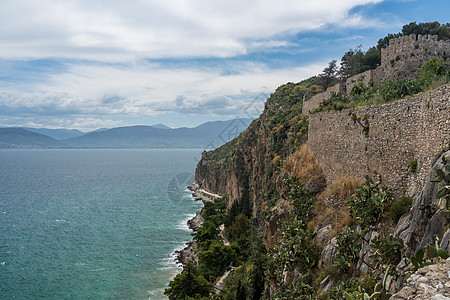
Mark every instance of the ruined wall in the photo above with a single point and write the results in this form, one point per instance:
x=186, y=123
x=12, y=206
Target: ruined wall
x=363, y=77
x=410, y=48
x=415, y=128
x=405, y=55
x=400, y=60
x=310, y=103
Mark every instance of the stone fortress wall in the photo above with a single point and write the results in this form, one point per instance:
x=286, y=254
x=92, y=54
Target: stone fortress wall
x=399, y=60
x=399, y=132
x=310, y=103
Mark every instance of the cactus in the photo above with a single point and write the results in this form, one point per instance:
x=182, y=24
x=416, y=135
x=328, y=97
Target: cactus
x=434, y=254
x=444, y=192
x=363, y=121
x=379, y=292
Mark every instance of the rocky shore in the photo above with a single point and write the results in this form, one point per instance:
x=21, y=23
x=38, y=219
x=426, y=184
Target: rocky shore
x=191, y=249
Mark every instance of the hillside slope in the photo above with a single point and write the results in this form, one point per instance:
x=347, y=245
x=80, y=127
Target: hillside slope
x=207, y=136
x=333, y=202
x=22, y=138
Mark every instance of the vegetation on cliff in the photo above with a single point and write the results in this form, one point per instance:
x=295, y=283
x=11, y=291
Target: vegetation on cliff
x=432, y=74
x=281, y=232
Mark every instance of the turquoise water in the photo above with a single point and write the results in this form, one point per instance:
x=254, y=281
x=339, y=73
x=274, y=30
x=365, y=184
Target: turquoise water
x=92, y=224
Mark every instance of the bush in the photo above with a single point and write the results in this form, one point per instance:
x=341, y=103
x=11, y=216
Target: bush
x=188, y=284
x=387, y=252
x=367, y=206
x=399, y=208
x=303, y=166
x=413, y=166
x=239, y=229
x=348, y=246
x=392, y=90
x=214, y=261
x=432, y=70
x=296, y=252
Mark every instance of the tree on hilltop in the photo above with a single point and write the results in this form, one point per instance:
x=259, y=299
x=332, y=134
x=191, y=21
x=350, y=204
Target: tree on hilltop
x=328, y=74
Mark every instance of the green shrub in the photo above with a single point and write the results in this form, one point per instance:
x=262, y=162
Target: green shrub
x=368, y=204
x=348, y=246
x=443, y=177
x=386, y=253
x=432, y=70
x=214, y=261
x=413, y=166
x=296, y=252
x=188, y=284
x=399, y=208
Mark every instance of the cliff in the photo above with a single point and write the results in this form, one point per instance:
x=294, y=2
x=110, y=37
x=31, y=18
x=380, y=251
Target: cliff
x=327, y=230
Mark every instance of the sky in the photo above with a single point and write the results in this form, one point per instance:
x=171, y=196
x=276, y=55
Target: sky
x=88, y=64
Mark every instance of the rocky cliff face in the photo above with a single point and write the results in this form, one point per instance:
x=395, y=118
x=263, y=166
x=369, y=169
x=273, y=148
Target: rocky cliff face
x=429, y=283
x=249, y=164
x=255, y=165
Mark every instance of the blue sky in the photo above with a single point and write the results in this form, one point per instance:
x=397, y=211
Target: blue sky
x=88, y=64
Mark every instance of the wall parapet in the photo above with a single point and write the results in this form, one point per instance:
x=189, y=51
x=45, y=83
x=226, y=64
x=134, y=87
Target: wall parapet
x=399, y=132
x=310, y=103
x=399, y=60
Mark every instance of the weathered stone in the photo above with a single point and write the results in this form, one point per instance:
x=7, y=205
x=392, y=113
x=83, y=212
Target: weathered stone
x=364, y=254
x=434, y=227
x=322, y=234
x=329, y=252
x=399, y=132
x=326, y=284
x=445, y=243
x=430, y=282
x=423, y=223
x=196, y=222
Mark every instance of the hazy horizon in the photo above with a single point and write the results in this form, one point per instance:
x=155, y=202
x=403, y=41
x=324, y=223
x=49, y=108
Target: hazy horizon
x=87, y=65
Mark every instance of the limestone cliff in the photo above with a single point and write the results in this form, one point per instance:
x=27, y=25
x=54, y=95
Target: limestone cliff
x=330, y=153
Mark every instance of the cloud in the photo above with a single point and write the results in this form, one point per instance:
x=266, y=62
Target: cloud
x=151, y=89
x=106, y=61
x=118, y=30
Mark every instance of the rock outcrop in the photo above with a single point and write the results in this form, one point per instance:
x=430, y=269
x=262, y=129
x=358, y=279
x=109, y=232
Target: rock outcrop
x=420, y=226
x=428, y=283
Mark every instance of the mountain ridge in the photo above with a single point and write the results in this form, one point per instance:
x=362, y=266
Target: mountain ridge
x=208, y=135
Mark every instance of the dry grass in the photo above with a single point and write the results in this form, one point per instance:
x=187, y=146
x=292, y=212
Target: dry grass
x=330, y=208
x=341, y=188
x=302, y=165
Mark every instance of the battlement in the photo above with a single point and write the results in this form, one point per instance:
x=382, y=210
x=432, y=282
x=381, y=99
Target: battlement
x=399, y=60
x=413, y=48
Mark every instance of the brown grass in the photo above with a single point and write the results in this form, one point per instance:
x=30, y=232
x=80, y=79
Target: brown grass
x=330, y=208
x=341, y=188
x=302, y=165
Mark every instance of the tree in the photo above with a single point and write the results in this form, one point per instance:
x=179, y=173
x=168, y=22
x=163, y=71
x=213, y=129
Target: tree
x=351, y=62
x=188, y=284
x=371, y=59
x=328, y=74
x=433, y=28
x=214, y=261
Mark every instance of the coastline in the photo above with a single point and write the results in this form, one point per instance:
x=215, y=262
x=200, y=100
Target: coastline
x=190, y=251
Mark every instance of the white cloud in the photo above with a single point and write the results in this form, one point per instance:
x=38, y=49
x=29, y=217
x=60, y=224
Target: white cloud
x=150, y=90
x=112, y=30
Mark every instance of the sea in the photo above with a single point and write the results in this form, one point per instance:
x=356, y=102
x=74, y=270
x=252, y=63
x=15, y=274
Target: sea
x=93, y=224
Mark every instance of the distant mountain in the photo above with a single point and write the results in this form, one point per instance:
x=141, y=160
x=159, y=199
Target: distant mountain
x=22, y=138
x=208, y=136
x=57, y=134
x=160, y=126
x=99, y=130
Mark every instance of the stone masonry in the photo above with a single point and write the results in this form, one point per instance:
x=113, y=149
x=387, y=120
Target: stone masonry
x=399, y=132
x=399, y=60
x=311, y=103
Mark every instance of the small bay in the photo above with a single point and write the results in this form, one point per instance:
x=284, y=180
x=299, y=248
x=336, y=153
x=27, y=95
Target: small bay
x=92, y=224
